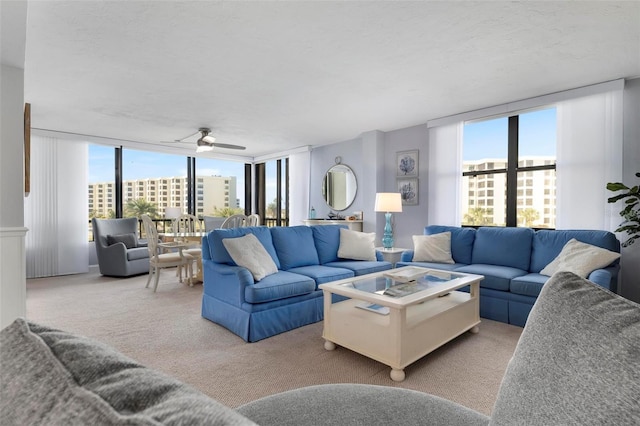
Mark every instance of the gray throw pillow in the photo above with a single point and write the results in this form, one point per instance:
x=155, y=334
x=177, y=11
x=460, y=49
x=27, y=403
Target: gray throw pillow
x=129, y=240
x=577, y=361
x=51, y=377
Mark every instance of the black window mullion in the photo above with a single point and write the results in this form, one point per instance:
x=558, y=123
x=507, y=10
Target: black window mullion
x=247, y=189
x=279, y=192
x=512, y=172
x=118, y=181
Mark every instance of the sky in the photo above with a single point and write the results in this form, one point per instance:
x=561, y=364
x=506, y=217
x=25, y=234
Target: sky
x=488, y=139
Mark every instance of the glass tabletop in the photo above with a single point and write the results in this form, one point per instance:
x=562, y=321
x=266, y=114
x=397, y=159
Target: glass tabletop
x=403, y=284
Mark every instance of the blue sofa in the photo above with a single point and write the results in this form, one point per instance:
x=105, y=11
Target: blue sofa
x=306, y=256
x=511, y=260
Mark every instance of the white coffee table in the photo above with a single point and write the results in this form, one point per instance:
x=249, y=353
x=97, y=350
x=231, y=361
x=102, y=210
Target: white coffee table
x=400, y=330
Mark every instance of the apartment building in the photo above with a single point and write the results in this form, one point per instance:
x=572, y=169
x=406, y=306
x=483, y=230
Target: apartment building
x=485, y=203
x=212, y=192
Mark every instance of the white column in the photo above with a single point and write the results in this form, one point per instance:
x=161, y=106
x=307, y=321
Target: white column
x=12, y=231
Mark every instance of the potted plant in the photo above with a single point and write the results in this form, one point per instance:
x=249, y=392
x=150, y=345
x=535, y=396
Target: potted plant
x=631, y=211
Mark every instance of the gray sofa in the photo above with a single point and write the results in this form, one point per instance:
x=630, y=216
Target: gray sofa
x=120, y=253
x=577, y=363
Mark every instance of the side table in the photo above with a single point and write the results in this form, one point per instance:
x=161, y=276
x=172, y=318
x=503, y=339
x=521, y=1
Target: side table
x=391, y=255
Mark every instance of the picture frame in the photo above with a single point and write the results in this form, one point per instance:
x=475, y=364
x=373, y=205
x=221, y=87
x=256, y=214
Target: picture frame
x=408, y=189
x=407, y=164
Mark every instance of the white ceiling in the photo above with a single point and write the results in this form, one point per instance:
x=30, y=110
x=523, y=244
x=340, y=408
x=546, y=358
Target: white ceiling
x=274, y=76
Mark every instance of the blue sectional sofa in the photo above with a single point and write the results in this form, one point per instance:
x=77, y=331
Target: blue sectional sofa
x=305, y=256
x=511, y=260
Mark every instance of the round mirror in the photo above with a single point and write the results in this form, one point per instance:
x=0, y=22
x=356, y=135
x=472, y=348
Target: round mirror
x=339, y=187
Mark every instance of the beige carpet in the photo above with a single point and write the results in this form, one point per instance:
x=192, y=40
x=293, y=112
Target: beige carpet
x=165, y=331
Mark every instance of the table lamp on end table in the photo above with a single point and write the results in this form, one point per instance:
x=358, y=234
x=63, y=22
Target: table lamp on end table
x=388, y=202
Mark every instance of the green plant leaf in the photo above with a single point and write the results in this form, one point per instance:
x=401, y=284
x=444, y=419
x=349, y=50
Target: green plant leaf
x=616, y=186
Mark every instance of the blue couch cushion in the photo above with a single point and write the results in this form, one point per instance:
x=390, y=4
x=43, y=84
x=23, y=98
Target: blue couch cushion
x=361, y=267
x=219, y=253
x=547, y=244
x=295, y=246
x=432, y=265
x=323, y=274
x=528, y=285
x=495, y=277
x=279, y=286
x=461, y=241
x=503, y=246
x=327, y=241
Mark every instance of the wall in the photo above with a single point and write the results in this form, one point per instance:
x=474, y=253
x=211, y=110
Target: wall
x=411, y=221
x=630, y=263
x=372, y=157
x=13, y=16
x=322, y=159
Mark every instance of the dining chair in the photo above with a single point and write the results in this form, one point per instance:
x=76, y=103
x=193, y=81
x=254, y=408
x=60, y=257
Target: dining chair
x=158, y=260
x=234, y=221
x=253, y=220
x=187, y=224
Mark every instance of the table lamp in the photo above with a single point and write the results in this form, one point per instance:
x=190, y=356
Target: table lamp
x=388, y=202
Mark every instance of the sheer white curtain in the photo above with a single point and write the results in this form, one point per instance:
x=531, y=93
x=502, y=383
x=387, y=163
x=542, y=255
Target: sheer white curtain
x=56, y=209
x=299, y=166
x=589, y=154
x=445, y=174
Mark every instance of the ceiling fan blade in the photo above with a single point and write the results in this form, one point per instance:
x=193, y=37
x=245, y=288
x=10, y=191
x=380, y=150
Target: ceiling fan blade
x=228, y=146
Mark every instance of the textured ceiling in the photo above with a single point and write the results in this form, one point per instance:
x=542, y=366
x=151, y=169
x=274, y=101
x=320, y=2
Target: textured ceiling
x=278, y=75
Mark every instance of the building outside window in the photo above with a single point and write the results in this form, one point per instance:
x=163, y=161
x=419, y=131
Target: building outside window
x=516, y=157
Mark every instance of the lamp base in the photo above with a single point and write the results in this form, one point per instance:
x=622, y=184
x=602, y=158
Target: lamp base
x=387, y=239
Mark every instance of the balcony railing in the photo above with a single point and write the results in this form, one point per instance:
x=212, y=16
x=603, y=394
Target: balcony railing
x=164, y=225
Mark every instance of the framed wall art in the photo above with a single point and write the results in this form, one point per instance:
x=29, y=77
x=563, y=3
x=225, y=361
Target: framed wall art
x=408, y=189
x=407, y=163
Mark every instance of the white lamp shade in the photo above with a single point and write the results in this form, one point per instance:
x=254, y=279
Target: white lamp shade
x=172, y=212
x=388, y=202
x=204, y=148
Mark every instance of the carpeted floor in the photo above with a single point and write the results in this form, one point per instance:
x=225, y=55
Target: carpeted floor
x=165, y=331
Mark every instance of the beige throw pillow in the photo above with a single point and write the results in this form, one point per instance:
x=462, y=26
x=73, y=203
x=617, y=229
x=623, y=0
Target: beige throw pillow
x=249, y=252
x=432, y=248
x=580, y=258
x=357, y=245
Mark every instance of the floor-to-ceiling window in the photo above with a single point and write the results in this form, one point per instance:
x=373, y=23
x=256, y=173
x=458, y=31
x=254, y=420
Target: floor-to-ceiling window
x=272, y=192
x=101, y=184
x=163, y=185
x=509, y=168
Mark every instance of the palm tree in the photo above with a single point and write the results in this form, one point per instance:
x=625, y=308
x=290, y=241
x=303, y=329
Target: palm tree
x=226, y=211
x=140, y=206
x=529, y=216
x=477, y=216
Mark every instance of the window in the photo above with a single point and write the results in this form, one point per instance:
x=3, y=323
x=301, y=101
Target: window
x=220, y=185
x=515, y=155
x=147, y=170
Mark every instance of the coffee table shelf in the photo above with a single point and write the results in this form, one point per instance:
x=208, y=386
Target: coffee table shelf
x=416, y=324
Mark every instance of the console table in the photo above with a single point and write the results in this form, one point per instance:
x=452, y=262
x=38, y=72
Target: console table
x=354, y=225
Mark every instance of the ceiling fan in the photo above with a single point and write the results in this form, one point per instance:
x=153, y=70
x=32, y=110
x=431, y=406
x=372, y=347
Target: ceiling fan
x=206, y=142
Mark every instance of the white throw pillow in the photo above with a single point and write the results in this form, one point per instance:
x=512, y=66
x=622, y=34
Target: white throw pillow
x=249, y=252
x=432, y=248
x=357, y=245
x=580, y=258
